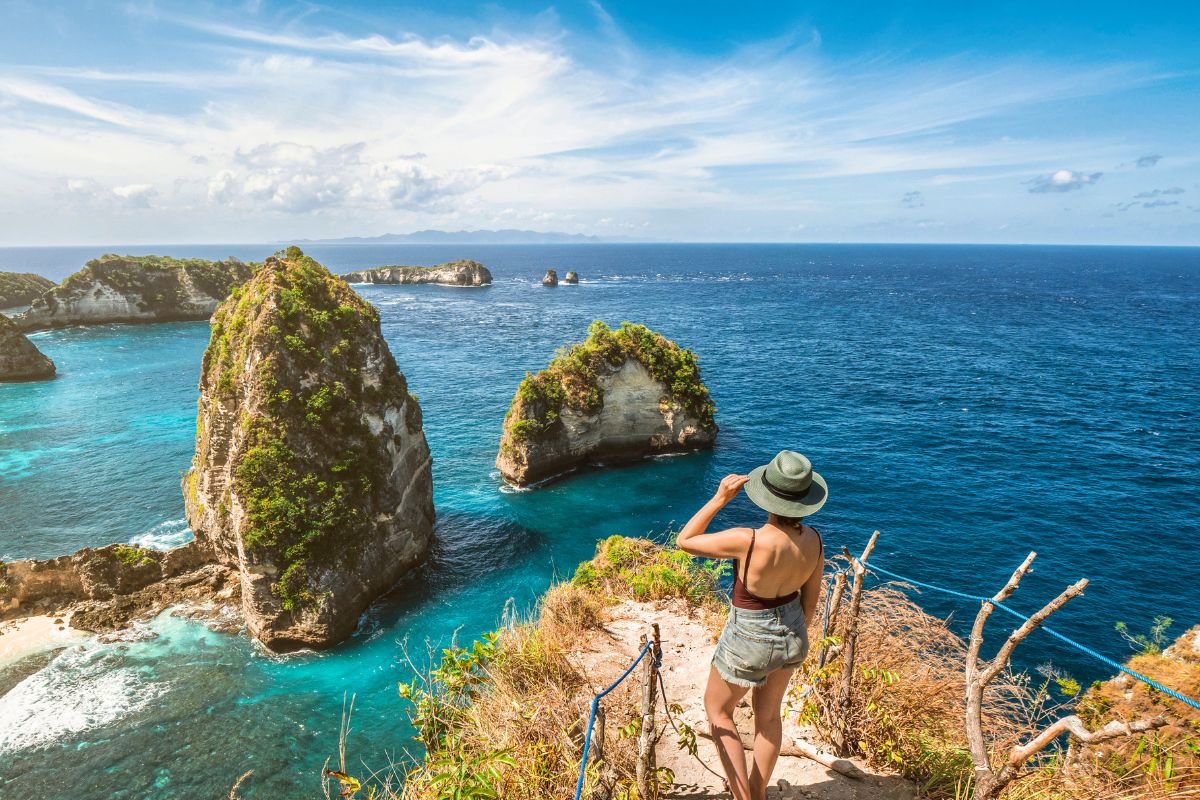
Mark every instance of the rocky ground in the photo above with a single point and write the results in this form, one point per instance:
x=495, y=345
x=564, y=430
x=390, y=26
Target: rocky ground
x=688, y=642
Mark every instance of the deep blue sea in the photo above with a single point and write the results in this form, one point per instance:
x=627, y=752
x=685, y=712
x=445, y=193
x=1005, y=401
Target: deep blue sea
x=971, y=403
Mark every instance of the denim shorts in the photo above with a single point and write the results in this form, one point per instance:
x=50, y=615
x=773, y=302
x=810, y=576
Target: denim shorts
x=756, y=643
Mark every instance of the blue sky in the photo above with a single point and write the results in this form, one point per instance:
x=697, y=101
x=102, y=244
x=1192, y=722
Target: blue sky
x=156, y=121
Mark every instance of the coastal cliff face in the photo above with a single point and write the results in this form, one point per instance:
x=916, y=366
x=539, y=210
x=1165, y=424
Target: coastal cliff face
x=136, y=289
x=453, y=273
x=22, y=288
x=20, y=360
x=311, y=475
x=618, y=396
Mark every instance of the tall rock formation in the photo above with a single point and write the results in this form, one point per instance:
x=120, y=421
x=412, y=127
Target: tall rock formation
x=22, y=288
x=550, y=278
x=620, y=395
x=452, y=273
x=572, y=277
x=136, y=289
x=311, y=475
x=20, y=360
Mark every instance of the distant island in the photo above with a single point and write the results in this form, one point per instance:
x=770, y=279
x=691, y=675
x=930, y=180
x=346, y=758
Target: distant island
x=506, y=236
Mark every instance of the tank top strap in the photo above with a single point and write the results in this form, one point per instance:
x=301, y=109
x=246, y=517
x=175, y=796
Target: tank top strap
x=749, y=552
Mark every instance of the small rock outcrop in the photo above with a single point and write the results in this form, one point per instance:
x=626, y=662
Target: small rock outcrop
x=572, y=277
x=550, y=278
x=453, y=273
x=110, y=585
x=20, y=360
x=22, y=288
x=136, y=289
x=311, y=476
x=620, y=395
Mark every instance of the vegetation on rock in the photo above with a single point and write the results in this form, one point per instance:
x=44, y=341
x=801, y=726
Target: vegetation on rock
x=309, y=465
x=22, y=288
x=570, y=380
x=159, y=286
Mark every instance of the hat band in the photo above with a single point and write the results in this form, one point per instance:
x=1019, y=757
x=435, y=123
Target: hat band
x=783, y=493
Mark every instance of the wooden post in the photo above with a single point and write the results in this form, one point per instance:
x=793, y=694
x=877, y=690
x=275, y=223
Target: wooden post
x=596, y=752
x=841, y=740
x=646, y=779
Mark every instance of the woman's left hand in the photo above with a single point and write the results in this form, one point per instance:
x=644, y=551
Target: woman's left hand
x=729, y=488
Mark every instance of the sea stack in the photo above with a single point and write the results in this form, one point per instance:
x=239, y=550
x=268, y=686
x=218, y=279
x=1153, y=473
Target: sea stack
x=551, y=278
x=22, y=288
x=311, y=475
x=136, y=289
x=452, y=273
x=572, y=277
x=620, y=395
x=20, y=360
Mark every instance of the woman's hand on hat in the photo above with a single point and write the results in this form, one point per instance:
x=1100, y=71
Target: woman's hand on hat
x=730, y=486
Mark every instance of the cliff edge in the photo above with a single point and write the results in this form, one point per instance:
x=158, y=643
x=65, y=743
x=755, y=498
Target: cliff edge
x=20, y=360
x=620, y=395
x=452, y=273
x=136, y=289
x=311, y=475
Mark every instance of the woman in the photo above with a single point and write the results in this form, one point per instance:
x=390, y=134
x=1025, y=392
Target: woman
x=776, y=582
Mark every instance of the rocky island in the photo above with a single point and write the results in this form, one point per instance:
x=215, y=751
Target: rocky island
x=311, y=477
x=620, y=395
x=20, y=360
x=571, y=277
x=22, y=288
x=452, y=273
x=136, y=289
x=550, y=278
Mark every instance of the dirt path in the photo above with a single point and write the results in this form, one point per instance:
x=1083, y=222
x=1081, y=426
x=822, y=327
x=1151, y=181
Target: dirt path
x=687, y=649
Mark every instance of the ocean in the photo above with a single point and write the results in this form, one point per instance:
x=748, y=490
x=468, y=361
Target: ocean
x=972, y=403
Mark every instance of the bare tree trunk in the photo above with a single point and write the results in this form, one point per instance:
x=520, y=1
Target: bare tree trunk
x=990, y=782
x=841, y=739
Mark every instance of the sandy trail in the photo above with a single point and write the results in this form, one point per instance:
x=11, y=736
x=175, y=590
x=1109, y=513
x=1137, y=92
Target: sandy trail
x=687, y=649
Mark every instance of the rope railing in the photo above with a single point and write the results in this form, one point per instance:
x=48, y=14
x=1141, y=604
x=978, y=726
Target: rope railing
x=587, y=739
x=1080, y=647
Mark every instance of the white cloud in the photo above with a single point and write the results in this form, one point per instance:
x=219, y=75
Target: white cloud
x=1063, y=180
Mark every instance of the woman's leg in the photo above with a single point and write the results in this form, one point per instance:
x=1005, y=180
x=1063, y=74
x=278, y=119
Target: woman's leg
x=768, y=730
x=720, y=698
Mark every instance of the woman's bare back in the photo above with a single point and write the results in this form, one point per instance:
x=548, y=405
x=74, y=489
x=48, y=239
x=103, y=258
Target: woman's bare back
x=783, y=560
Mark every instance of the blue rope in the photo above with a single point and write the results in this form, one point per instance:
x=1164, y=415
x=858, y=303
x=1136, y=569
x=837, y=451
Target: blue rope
x=1082, y=648
x=587, y=739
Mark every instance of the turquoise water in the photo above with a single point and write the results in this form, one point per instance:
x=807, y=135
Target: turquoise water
x=972, y=403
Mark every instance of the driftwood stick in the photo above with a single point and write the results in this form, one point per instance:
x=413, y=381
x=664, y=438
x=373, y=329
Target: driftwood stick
x=1030, y=625
x=1074, y=725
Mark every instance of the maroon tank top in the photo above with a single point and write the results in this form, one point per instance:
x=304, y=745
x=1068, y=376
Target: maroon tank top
x=742, y=598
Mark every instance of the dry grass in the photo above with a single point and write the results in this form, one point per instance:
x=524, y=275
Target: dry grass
x=907, y=713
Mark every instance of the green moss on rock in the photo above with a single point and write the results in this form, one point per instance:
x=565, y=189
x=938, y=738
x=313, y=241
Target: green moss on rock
x=300, y=356
x=570, y=380
x=22, y=288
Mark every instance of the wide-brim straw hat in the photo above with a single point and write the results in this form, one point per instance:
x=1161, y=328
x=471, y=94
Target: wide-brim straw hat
x=787, y=486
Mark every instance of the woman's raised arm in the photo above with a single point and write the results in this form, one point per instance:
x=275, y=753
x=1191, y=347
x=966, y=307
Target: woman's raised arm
x=694, y=539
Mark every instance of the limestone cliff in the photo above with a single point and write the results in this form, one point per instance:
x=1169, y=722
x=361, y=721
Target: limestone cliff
x=618, y=396
x=311, y=475
x=20, y=360
x=453, y=273
x=136, y=289
x=22, y=288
